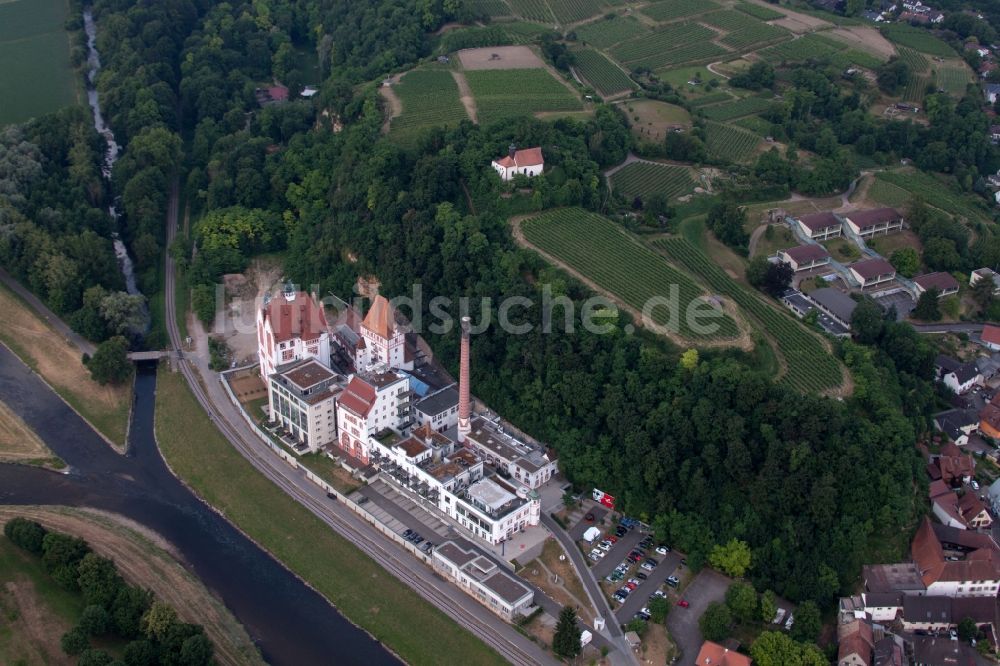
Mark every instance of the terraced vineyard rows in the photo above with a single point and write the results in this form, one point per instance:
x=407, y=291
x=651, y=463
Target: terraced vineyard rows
x=570, y=11
x=668, y=10
x=608, y=32
x=673, y=36
x=603, y=74
x=728, y=142
x=502, y=93
x=533, y=10
x=700, y=52
x=429, y=97
x=916, y=88
x=936, y=193
x=757, y=11
x=644, y=179
x=805, y=48
x=597, y=248
x=736, y=109
x=917, y=38
x=754, y=36
x=727, y=19
x=811, y=368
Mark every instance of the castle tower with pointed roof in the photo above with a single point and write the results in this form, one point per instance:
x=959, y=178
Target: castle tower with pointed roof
x=384, y=340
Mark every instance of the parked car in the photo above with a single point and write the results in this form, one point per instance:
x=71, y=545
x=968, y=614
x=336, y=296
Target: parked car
x=974, y=484
x=647, y=566
x=589, y=517
x=631, y=586
x=789, y=622
x=683, y=603
x=778, y=616
x=620, y=532
x=623, y=591
x=418, y=540
x=407, y=534
x=332, y=496
x=641, y=576
x=645, y=611
x=658, y=593
x=620, y=597
x=643, y=616
x=662, y=550
x=612, y=538
x=634, y=580
x=604, y=545
x=673, y=581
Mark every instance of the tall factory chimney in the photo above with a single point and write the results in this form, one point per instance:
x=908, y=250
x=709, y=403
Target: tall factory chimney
x=464, y=411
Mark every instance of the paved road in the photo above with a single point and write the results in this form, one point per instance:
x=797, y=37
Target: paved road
x=948, y=328
x=464, y=610
x=85, y=346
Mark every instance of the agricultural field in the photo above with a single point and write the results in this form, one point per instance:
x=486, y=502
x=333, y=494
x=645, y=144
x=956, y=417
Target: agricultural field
x=936, y=193
x=503, y=93
x=727, y=19
x=917, y=38
x=753, y=36
x=730, y=143
x=887, y=194
x=700, y=52
x=811, y=368
x=36, y=77
x=747, y=106
x=916, y=60
x=916, y=88
x=757, y=11
x=598, y=249
x=429, y=97
x=570, y=11
x=606, y=33
x=953, y=79
x=491, y=7
x=711, y=98
x=498, y=34
x=652, y=120
x=601, y=73
x=649, y=46
x=755, y=124
x=668, y=10
x=806, y=47
x=644, y=179
x=532, y=10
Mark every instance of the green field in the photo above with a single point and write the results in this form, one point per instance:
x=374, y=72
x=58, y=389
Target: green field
x=608, y=32
x=600, y=250
x=888, y=194
x=917, y=38
x=36, y=77
x=937, y=193
x=711, y=98
x=811, y=368
x=504, y=93
x=570, y=11
x=601, y=73
x=533, y=10
x=763, y=13
x=755, y=124
x=754, y=36
x=491, y=7
x=953, y=80
x=739, y=108
x=643, y=179
x=727, y=19
x=916, y=60
x=807, y=47
x=392, y=612
x=673, y=37
x=730, y=143
x=429, y=97
x=668, y=10
x=498, y=34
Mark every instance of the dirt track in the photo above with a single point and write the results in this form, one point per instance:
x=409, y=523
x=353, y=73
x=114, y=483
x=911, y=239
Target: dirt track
x=465, y=95
x=144, y=558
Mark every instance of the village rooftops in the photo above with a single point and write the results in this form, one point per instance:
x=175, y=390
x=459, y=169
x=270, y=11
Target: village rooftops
x=526, y=157
x=839, y=304
x=805, y=254
x=901, y=577
x=873, y=268
x=501, y=445
x=713, y=654
x=381, y=318
x=865, y=219
x=820, y=221
x=943, y=282
x=307, y=373
x=974, y=556
x=438, y=402
x=295, y=315
x=991, y=334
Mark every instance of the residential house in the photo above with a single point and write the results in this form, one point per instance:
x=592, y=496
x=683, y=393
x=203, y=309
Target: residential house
x=991, y=337
x=271, y=95
x=952, y=466
x=889, y=651
x=936, y=17
x=820, y=226
x=989, y=419
x=985, y=68
x=943, y=282
x=990, y=91
x=869, y=223
x=291, y=327
x=797, y=302
x=956, y=563
x=856, y=643
x=805, y=257
x=438, y=409
x=974, y=512
x=371, y=403
x=383, y=340
x=872, y=272
x=940, y=614
x=713, y=654
x=480, y=577
x=302, y=399
x=528, y=162
x=838, y=305
x=957, y=424
x=900, y=577
x=527, y=464
x=882, y=607
x=988, y=367
x=937, y=651
x=986, y=273
x=965, y=512
x=959, y=377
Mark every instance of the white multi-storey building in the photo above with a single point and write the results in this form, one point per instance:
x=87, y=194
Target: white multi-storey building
x=383, y=341
x=302, y=398
x=528, y=465
x=370, y=403
x=482, y=578
x=291, y=327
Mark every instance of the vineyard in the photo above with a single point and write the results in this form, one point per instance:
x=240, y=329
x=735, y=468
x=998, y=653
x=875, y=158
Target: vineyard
x=603, y=74
x=504, y=93
x=888, y=194
x=747, y=106
x=608, y=32
x=914, y=59
x=499, y=34
x=755, y=124
x=668, y=10
x=701, y=52
x=953, y=80
x=643, y=179
x=727, y=19
x=673, y=36
x=936, y=193
x=917, y=38
x=751, y=37
x=763, y=13
x=570, y=11
x=807, y=47
x=811, y=368
x=429, y=97
x=710, y=98
x=533, y=10
x=491, y=7
x=730, y=143
x=598, y=249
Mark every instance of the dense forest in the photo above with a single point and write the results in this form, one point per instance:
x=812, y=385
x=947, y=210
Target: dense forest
x=706, y=453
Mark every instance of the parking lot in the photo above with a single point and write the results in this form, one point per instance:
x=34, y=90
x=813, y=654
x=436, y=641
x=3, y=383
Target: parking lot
x=400, y=513
x=707, y=586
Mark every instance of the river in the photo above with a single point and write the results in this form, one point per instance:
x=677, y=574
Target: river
x=291, y=623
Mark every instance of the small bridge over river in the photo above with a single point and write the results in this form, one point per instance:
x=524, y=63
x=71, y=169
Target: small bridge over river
x=151, y=355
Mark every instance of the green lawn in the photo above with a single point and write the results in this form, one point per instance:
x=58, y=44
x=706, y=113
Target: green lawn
x=388, y=609
x=36, y=76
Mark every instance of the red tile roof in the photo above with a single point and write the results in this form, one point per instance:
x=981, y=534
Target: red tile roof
x=859, y=641
x=990, y=414
x=713, y=654
x=820, y=221
x=358, y=397
x=940, y=281
x=381, y=318
x=979, y=564
x=301, y=317
x=872, y=268
x=970, y=506
x=991, y=334
x=522, y=158
x=875, y=216
x=954, y=464
x=804, y=254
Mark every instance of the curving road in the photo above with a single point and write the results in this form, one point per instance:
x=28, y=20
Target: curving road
x=464, y=610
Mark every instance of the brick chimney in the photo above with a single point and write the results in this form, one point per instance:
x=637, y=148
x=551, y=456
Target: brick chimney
x=464, y=411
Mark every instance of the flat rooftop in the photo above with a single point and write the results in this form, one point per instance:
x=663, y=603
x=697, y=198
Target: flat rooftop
x=902, y=577
x=477, y=564
x=490, y=495
x=308, y=373
x=438, y=402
